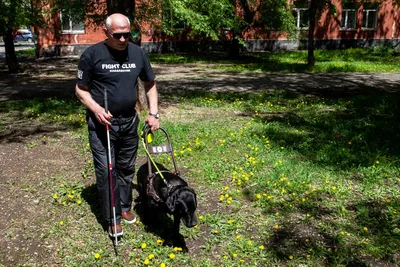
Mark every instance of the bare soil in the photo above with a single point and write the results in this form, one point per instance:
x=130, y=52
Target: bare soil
x=31, y=151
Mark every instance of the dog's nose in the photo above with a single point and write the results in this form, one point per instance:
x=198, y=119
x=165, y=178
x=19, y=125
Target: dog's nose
x=194, y=222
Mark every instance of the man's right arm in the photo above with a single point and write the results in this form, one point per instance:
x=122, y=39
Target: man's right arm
x=83, y=94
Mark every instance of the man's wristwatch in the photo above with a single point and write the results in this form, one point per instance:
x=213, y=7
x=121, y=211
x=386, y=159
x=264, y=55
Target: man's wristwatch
x=157, y=115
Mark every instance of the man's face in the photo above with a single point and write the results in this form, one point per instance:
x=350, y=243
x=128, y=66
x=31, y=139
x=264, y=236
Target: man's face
x=118, y=36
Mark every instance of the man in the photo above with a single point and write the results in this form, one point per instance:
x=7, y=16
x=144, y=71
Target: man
x=113, y=66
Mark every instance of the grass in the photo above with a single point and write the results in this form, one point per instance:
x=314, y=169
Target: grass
x=291, y=180
x=281, y=178
x=378, y=59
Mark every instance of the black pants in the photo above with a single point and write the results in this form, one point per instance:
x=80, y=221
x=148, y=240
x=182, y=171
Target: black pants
x=123, y=145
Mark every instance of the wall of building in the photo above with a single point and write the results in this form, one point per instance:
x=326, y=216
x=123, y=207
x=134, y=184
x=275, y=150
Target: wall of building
x=328, y=34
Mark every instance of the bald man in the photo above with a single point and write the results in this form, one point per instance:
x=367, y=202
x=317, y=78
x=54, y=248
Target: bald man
x=113, y=66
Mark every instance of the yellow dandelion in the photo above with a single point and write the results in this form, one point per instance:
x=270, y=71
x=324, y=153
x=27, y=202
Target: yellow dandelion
x=151, y=256
x=163, y=265
x=144, y=245
x=234, y=255
x=201, y=217
x=276, y=226
x=146, y=262
x=177, y=249
x=365, y=229
x=291, y=257
x=258, y=196
x=216, y=231
x=159, y=241
x=388, y=200
x=238, y=237
x=55, y=196
x=97, y=256
x=79, y=202
x=249, y=242
x=261, y=247
x=61, y=222
x=172, y=256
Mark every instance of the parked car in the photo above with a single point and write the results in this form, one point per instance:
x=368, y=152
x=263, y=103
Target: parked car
x=24, y=35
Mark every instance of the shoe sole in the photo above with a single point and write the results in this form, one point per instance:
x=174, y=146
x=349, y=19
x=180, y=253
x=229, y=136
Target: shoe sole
x=131, y=221
x=118, y=234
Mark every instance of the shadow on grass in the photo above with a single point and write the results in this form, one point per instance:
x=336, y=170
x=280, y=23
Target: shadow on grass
x=18, y=119
x=159, y=224
x=359, y=131
x=89, y=194
x=368, y=237
x=342, y=129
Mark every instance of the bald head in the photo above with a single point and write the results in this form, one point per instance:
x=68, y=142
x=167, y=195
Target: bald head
x=117, y=20
x=117, y=31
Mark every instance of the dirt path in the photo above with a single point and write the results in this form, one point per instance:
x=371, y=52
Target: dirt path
x=57, y=78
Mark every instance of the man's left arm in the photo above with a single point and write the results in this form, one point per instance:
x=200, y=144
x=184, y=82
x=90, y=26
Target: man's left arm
x=152, y=100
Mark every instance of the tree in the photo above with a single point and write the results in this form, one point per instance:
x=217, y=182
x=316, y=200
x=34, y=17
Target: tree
x=212, y=19
x=15, y=13
x=316, y=8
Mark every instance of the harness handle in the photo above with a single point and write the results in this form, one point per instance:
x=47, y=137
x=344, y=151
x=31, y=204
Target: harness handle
x=163, y=148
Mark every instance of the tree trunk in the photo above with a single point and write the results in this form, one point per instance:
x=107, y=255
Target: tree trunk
x=11, y=57
x=311, y=29
x=234, y=47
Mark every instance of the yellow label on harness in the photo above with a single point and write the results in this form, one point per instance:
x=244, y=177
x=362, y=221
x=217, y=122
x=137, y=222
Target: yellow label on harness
x=150, y=137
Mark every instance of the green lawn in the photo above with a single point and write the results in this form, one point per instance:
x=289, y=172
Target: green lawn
x=281, y=178
x=379, y=59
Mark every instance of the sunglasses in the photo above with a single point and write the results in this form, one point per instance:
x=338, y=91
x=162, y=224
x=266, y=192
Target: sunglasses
x=118, y=35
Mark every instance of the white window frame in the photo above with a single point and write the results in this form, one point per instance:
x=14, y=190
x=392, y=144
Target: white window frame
x=298, y=17
x=366, y=14
x=345, y=13
x=70, y=26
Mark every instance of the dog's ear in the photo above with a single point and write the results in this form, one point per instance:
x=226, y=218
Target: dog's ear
x=172, y=200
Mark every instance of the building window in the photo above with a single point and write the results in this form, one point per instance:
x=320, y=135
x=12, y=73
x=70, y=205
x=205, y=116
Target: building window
x=71, y=25
x=301, y=17
x=348, y=19
x=370, y=16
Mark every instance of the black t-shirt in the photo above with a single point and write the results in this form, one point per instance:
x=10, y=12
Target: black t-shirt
x=101, y=67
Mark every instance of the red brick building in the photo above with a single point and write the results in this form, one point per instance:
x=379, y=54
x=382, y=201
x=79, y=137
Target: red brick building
x=355, y=25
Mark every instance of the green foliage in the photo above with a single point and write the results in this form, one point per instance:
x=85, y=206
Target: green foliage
x=17, y=13
x=275, y=15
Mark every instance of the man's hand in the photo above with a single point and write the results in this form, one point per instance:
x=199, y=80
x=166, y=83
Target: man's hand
x=83, y=94
x=153, y=123
x=103, y=117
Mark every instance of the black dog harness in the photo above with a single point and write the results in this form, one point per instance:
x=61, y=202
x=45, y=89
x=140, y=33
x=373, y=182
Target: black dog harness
x=164, y=148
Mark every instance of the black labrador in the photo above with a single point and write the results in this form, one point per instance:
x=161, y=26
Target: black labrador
x=175, y=198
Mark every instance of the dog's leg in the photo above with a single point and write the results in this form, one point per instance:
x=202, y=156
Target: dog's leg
x=176, y=225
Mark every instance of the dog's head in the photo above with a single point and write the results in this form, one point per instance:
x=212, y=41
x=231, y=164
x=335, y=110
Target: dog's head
x=184, y=202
